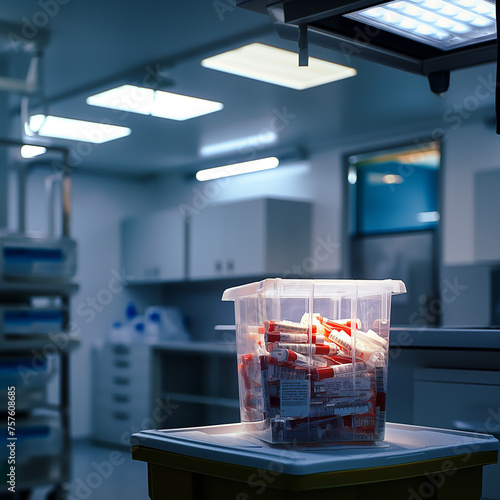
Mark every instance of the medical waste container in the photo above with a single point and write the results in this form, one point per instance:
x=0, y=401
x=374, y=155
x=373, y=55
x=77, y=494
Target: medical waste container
x=312, y=358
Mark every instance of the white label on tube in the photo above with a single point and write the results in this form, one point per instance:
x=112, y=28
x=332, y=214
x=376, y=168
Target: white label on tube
x=278, y=372
x=336, y=387
x=347, y=368
x=294, y=398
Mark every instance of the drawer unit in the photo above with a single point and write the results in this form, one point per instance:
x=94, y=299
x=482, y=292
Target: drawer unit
x=121, y=391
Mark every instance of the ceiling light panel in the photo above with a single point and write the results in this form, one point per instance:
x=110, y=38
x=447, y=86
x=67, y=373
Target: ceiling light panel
x=182, y=107
x=445, y=24
x=29, y=151
x=154, y=102
x=280, y=67
x=75, y=130
x=125, y=98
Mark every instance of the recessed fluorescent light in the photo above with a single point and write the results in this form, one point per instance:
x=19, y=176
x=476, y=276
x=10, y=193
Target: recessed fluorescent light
x=243, y=143
x=125, y=98
x=75, y=130
x=445, y=24
x=154, y=102
x=273, y=65
x=28, y=151
x=237, y=169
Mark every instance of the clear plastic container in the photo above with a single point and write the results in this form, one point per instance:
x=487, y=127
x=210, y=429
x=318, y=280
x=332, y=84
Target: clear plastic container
x=312, y=358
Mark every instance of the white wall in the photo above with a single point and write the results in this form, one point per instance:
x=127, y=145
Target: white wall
x=318, y=180
x=468, y=149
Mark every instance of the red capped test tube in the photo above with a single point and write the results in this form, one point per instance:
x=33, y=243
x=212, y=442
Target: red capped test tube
x=318, y=349
x=299, y=338
x=288, y=326
x=336, y=370
x=287, y=356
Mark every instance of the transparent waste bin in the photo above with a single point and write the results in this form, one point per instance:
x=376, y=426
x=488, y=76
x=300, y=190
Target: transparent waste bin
x=312, y=358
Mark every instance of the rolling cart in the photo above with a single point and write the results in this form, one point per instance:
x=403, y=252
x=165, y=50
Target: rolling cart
x=35, y=345
x=223, y=462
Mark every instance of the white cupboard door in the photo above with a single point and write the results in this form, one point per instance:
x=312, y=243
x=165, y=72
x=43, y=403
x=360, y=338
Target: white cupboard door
x=153, y=246
x=227, y=240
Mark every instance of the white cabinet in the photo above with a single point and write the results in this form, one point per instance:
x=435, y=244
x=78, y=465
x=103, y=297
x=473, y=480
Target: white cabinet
x=153, y=246
x=255, y=237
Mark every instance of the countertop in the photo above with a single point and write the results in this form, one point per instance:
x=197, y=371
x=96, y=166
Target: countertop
x=450, y=338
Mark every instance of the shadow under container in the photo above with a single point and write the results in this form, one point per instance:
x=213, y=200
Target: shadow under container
x=312, y=358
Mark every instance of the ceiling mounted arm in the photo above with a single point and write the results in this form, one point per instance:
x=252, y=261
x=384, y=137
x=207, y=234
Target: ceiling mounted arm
x=17, y=40
x=341, y=25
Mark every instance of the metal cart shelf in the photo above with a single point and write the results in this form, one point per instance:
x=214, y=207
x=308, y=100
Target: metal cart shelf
x=36, y=340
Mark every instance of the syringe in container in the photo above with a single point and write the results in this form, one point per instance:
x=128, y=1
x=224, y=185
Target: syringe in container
x=319, y=349
x=337, y=370
x=296, y=338
x=288, y=326
x=342, y=408
x=345, y=343
x=287, y=356
x=369, y=337
x=344, y=387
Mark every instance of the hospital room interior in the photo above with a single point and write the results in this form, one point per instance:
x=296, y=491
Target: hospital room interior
x=249, y=249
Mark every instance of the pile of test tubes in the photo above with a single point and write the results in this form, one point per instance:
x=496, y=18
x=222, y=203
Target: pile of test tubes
x=317, y=380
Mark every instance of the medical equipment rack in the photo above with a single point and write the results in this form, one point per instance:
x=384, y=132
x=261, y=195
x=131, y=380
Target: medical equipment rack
x=36, y=339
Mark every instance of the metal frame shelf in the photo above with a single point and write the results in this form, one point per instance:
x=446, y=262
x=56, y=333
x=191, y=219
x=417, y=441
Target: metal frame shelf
x=35, y=290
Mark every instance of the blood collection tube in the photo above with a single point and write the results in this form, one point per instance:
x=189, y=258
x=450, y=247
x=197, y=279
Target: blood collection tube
x=345, y=343
x=242, y=369
x=288, y=326
x=334, y=325
x=302, y=338
x=287, y=356
x=337, y=370
x=322, y=410
x=352, y=408
x=280, y=372
x=374, y=338
x=264, y=366
x=319, y=349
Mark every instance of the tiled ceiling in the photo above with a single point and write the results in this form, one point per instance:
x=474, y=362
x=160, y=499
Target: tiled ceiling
x=96, y=45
